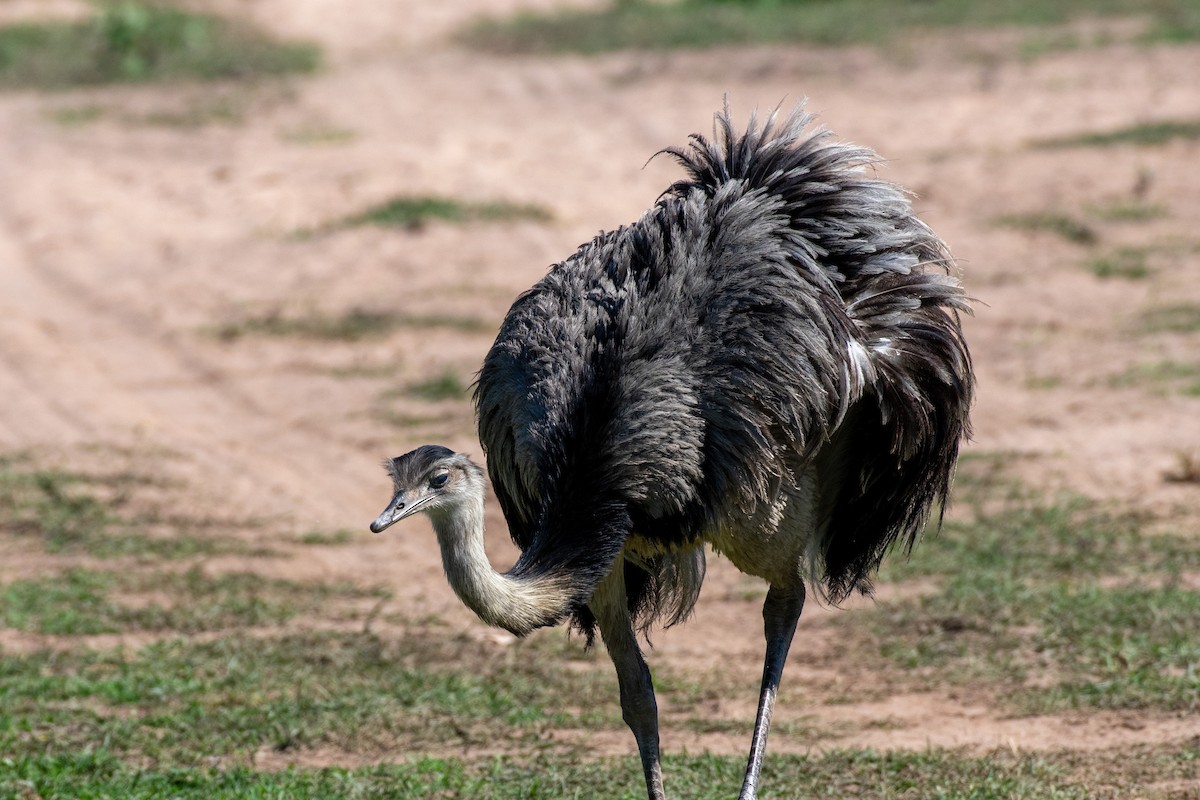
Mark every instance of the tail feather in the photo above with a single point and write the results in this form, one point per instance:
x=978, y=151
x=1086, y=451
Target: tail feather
x=863, y=357
x=908, y=385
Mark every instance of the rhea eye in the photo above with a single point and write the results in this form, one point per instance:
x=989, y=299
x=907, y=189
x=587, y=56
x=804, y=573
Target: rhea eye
x=439, y=480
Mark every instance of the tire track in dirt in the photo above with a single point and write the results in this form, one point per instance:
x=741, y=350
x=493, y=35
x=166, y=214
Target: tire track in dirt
x=31, y=402
x=79, y=368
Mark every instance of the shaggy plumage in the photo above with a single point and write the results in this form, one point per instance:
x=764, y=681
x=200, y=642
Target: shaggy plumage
x=769, y=361
x=682, y=369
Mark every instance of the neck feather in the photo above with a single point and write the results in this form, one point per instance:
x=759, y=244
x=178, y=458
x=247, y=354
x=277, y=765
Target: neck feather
x=516, y=604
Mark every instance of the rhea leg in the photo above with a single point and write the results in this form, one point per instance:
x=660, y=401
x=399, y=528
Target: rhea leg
x=781, y=613
x=638, y=706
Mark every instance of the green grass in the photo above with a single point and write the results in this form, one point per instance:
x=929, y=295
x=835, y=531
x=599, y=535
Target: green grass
x=1127, y=647
x=1014, y=534
x=1043, y=383
x=72, y=603
x=322, y=538
x=1128, y=211
x=70, y=512
x=190, y=107
x=1019, y=607
x=1124, y=647
x=413, y=213
x=447, y=386
x=1019, y=610
x=222, y=109
x=639, y=24
x=318, y=134
x=1060, y=225
x=61, y=509
x=431, y=425
x=355, y=325
x=1131, y=263
x=136, y=42
x=80, y=601
x=1177, y=23
x=1161, y=376
x=839, y=775
x=180, y=702
x=1176, y=318
x=1038, y=43
x=1148, y=134
x=74, y=724
x=199, y=107
x=76, y=116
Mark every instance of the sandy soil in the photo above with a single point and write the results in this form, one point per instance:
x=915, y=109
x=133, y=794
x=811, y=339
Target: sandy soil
x=124, y=244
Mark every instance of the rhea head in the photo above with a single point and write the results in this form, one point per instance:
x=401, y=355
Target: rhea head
x=431, y=480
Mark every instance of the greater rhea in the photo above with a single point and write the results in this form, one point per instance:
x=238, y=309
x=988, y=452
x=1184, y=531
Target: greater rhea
x=769, y=362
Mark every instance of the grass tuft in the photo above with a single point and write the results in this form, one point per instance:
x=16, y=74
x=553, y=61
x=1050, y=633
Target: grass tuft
x=447, y=386
x=323, y=538
x=413, y=213
x=1148, y=134
x=139, y=42
x=1129, y=211
x=228, y=110
x=1130, y=263
x=1060, y=225
x=76, y=116
x=198, y=107
x=648, y=25
x=318, y=134
x=1177, y=23
x=1178, y=318
x=352, y=326
x=1163, y=376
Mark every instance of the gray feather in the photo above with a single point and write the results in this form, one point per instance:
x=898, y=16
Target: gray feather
x=779, y=313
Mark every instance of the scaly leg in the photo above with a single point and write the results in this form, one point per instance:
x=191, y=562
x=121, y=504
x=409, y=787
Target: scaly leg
x=781, y=612
x=638, y=707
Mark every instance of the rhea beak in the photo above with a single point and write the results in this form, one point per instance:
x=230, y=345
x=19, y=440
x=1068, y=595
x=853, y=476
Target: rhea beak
x=397, y=510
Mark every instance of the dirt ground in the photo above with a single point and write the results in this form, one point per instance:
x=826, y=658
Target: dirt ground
x=123, y=245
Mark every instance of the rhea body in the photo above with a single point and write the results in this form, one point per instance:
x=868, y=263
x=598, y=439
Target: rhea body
x=768, y=362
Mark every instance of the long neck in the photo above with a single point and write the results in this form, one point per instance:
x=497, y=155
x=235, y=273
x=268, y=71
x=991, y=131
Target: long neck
x=517, y=604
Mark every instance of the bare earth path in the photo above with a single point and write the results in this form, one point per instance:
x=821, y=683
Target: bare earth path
x=124, y=245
